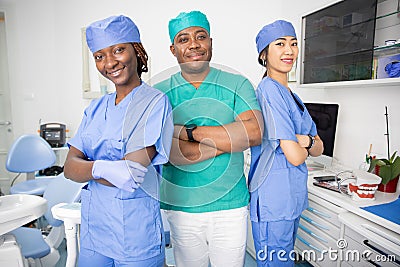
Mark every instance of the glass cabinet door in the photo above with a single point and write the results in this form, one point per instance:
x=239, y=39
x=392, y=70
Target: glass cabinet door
x=387, y=39
x=338, y=42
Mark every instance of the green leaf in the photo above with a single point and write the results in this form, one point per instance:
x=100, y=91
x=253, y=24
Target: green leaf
x=385, y=172
x=372, y=165
x=382, y=162
x=396, y=168
x=392, y=157
x=388, y=169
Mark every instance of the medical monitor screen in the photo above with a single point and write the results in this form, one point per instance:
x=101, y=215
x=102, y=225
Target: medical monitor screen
x=325, y=117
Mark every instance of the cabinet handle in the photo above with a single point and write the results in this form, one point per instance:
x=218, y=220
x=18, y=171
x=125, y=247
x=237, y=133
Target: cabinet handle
x=373, y=263
x=381, y=252
x=308, y=231
x=314, y=223
x=318, y=212
x=308, y=243
x=5, y=123
x=381, y=233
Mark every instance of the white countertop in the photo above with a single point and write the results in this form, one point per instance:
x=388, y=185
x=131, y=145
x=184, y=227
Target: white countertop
x=354, y=206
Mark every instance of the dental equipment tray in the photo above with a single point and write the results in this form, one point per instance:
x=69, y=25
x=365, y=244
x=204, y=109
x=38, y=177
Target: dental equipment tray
x=332, y=185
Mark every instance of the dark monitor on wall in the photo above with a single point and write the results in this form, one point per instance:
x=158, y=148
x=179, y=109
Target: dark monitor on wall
x=325, y=117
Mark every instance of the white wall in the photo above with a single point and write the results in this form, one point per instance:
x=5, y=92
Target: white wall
x=45, y=60
x=361, y=119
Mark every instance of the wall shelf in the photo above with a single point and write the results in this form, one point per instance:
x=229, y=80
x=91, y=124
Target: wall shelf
x=353, y=84
x=387, y=50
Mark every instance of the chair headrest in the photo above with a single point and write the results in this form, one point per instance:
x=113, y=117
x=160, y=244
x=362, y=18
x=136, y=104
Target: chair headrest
x=30, y=153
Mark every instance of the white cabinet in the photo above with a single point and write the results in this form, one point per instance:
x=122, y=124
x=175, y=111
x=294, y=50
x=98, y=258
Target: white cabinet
x=319, y=230
x=336, y=231
x=335, y=228
x=369, y=244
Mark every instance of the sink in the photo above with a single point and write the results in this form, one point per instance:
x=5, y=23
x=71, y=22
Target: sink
x=19, y=209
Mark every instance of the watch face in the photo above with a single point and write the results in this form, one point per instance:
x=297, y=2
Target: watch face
x=191, y=126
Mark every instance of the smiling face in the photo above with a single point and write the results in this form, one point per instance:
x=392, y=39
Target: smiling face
x=118, y=63
x=281, y=56
x=192, y=48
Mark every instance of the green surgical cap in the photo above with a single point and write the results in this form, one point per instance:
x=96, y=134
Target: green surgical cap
x=185, y=20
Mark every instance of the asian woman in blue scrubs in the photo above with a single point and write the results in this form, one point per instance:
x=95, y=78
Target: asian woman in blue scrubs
x=278, y=173
x=123, y=139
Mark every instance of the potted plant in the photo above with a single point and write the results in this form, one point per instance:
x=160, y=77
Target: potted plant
x=388, y=170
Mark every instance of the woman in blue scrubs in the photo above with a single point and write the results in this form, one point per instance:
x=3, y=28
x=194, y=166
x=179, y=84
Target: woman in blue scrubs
x=122, y=140
x=278, y=173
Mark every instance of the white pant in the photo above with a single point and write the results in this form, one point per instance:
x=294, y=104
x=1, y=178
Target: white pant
x=217, y=237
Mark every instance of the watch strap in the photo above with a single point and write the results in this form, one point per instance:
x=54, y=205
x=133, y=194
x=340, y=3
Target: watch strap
x=312, y=142
x=189, y=132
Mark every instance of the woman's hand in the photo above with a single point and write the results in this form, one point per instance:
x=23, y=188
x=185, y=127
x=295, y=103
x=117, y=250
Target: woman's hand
x=124, y=174
x=303, y=140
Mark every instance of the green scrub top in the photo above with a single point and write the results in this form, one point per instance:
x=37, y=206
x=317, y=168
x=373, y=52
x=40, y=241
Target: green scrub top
x=217, y=183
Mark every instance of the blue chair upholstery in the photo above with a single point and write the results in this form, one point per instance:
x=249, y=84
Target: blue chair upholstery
x=28, y=154
x=60, y=190
x=37, y=249
x=31, y=187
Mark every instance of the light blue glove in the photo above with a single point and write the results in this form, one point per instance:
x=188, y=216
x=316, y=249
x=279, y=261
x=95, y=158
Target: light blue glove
x=124, y=174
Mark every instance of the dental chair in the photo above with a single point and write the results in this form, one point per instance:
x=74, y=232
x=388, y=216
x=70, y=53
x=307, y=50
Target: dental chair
x=39, y=250
x=28, y=154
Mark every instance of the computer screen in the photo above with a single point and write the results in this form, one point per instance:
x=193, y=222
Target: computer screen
x=325, y=117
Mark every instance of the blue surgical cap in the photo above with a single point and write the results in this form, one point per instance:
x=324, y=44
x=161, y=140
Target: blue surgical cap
x=273, y=31
x=185, y=20
x=111, y=31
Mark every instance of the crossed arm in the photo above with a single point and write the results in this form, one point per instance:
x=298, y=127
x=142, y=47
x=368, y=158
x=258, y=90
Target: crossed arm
x=212, y=141
x=79, y=169
x=296, y=152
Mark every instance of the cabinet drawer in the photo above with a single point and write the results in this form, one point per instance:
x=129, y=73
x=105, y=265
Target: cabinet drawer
x=326, y=204
x=300, y=247
x=313, y=250
x=345, y=264
x=318, y=235
x=353, y=254
x=366, y=236
x=315, y=221
x=325, y=210
x=359, y=228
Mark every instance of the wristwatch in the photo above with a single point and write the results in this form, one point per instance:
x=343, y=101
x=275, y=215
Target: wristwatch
x=312, y=141
x=189, y=131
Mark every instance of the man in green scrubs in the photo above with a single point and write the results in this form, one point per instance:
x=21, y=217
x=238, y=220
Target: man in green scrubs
x=216, y=117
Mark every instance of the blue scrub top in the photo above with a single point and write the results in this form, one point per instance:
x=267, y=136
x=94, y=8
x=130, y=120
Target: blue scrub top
x=278, y=188
x=117, y=223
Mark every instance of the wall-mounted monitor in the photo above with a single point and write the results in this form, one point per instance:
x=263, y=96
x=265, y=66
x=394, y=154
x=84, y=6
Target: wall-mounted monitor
x=325, y=117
